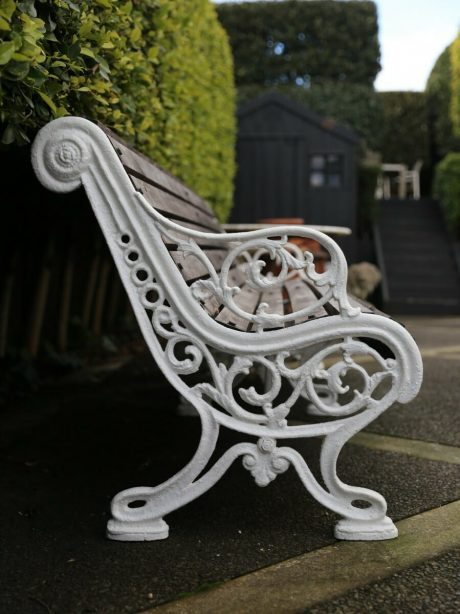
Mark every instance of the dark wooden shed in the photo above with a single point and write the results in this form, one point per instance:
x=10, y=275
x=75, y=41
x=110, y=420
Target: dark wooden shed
x=295, y=163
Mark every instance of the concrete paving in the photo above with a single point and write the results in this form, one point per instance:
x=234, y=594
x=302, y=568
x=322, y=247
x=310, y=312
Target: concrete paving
x=299, y=583
x=430, y=587
x=67, y=450
x=413, y=447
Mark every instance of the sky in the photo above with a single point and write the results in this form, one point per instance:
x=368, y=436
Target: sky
x=412, y=35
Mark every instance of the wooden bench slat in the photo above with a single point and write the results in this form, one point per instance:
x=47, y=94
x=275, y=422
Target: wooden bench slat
x=173, y=199
x=174, y=208
x=192, y=268
x=207, y=246
x=247, y=299
x=361, y=303
x=301, y=295
x=141, y=164
x=235, y=278
x=366, y=307
x=276, y=303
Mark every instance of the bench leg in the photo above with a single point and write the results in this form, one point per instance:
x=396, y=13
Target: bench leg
x=358, y=523
x=364, y=510
x=132, y=522
x=137, y=513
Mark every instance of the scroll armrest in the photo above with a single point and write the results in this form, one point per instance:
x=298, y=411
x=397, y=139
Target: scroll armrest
x=246, y=249
x=342, y=231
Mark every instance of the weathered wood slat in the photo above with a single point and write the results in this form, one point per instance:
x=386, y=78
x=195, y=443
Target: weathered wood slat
x=192, y=268
x=247, y=299
x=212, y=305
x=236, y=277
x=301, y=295
x=174, y=208
x=141, y=164
x=365, y=306
x=276, y=303
x=207, y=246
x=177, y=202
x=357, y=302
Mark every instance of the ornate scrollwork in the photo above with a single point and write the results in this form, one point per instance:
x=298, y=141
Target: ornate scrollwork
x=248, y=256
x=291, y=261
x=324, y=397
x=265, y=462
x=67, y=158
x=309, y=377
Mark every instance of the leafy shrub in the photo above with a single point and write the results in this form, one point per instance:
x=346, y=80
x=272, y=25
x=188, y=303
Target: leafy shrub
x=439, y=97
x=447, y=189
x=157, y=71
x=299, y=42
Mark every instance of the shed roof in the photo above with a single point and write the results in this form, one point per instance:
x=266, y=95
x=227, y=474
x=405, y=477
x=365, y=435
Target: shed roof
x=327, y=124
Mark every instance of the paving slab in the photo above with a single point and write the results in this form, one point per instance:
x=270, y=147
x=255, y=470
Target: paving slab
x=431, y=587
x=79, y=447
x=414, y=447
x=301, y=583
x=441, y=332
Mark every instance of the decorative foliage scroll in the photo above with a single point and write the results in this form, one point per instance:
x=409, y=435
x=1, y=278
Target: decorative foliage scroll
x=248, y=256
x=185, y=353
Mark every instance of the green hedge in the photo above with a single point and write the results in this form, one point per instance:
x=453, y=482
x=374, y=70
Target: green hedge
x=447, y=189
x=295, y=42
x=439, y=97
x=455, y=84
x=404, y=127
x=158, y=71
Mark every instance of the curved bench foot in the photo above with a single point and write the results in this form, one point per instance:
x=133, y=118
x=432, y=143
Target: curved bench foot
x=366, y=530
x=129, y=531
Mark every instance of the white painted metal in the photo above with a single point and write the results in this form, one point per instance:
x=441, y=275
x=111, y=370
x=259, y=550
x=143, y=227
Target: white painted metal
x=338, y=231
x=70, y=152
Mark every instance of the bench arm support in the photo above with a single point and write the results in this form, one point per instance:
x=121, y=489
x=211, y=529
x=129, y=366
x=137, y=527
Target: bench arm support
x=246, y=251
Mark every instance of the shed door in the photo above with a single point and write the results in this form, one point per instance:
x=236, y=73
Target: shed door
x=267, y=182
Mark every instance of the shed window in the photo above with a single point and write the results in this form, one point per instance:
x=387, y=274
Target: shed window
x=326, y=171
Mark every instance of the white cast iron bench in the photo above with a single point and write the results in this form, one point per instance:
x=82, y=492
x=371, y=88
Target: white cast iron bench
x=202, y=298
